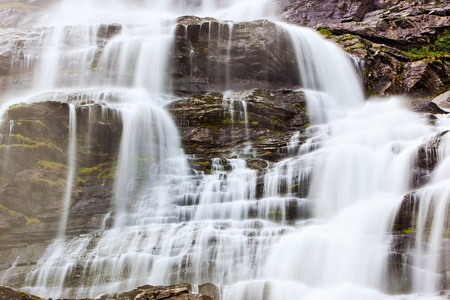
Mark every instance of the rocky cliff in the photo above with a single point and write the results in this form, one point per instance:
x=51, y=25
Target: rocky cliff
x=404, y=44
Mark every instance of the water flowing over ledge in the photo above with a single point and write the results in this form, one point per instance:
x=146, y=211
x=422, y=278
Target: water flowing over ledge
x=320, y=220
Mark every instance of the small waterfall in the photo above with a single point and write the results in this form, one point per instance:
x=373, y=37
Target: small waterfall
x=71, y=156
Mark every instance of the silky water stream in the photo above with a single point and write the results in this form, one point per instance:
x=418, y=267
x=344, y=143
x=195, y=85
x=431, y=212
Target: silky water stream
x=170, y=226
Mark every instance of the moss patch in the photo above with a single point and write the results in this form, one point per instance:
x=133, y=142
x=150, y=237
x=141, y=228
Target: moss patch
x=49, y=165
x=32, y=221
x=103, y=171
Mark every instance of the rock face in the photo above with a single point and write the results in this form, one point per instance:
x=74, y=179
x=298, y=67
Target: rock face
x=212, y=124
x=33, y=168
x=217, y=56
x=207, y=55
x=399, y=41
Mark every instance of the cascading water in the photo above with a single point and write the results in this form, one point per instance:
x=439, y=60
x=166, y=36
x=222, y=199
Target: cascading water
x=343, y=185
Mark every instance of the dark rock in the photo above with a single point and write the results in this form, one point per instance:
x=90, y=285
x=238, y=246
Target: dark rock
x=426, y=160
x=218, y=56
x=215, y=124
x=407, y=213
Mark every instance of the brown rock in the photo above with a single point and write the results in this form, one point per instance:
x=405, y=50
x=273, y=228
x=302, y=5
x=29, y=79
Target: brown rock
x=7, y=293
x=10, y=219
x=421, y=78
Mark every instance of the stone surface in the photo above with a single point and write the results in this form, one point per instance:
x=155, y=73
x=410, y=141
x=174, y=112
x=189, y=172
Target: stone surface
x=7, y=293
x=213, y=124
x=443, y=102
x=33, y=172
x=148, y=292
x=218, y=56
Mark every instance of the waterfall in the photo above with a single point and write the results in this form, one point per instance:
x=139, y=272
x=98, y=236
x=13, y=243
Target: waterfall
x=322, y=226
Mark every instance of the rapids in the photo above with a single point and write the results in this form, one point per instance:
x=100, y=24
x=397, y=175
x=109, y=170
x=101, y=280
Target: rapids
x=170, y=225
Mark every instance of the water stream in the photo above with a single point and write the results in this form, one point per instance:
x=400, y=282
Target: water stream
x=344, y=185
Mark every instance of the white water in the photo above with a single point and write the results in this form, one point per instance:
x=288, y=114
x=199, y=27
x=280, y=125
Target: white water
x=171, y=227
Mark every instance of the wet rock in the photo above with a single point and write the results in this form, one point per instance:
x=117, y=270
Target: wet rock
x=426, y=160
x=33, y=170
x=7, y=293
x=407, y=213
x=173, y=292
x=215, y=124
x=218, y=56
x=443, y=102
x=399, y=272
x=210, y=290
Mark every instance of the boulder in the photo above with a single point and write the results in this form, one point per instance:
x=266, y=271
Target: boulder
x=442, y=102
x=422, y=78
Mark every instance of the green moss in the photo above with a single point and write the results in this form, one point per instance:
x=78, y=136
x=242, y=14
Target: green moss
x=51, y=166
x=440, y=48
x=410, y=230
x=109, y=172
x=277, y=132
x=80, y=180
x=344, y=38
x=254, y=123
x=48, y=181
x=97, y=69
x=23, y=139
x=325, y=32
x=442, y=43
x=16, y=105
x=29, y=143
x=262, y=138
x=95, y=169
x=31, y=221
x=7, y=209
x=39, y=122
